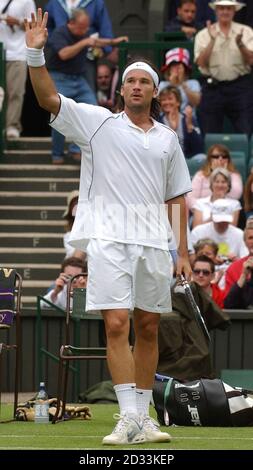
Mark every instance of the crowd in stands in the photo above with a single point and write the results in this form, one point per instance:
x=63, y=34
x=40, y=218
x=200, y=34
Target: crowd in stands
x=82, y=60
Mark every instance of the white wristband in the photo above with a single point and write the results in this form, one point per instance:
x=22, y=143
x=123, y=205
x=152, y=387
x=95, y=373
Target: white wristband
x=35, y=57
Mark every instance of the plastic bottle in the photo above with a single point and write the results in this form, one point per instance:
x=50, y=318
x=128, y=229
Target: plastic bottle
x=41, y=405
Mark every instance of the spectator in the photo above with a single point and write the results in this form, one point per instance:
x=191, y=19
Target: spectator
x=238, y=268
x=107, y=80
x=248, y=197
x=58, y=294
x=67, y=65
x=203, y=13
x=224, y=54
x=177, y=70
x=220, y=185
x=183, y=124
x=59, y=13
x=209, y=248
x=185, y=20
x=220, y=230
x=240, y=294
x=217, y=156
x=184, y=352
x=203, y=273
x=13, y=38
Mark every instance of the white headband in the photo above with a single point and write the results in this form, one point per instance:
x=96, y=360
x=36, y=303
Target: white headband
x=142, y=66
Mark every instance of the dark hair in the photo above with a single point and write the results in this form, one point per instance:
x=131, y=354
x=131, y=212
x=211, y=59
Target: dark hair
x=205, y=259
x=69, y=217
x=155, y=105
x=182, y=2
x=248, y=194
x=75, y=262
x=206, y=241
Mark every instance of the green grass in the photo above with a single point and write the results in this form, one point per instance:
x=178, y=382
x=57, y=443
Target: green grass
x=84, y=435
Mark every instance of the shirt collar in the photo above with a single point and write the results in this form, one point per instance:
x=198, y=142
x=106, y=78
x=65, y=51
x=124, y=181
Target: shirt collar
x=131, y=124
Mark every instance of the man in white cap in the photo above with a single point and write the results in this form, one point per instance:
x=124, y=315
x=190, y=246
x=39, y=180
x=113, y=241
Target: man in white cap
x=224, y=54
x=131, y=167
x=221, y=231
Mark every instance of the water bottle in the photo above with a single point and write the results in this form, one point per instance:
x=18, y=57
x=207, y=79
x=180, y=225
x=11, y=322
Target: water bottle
x=41, y=405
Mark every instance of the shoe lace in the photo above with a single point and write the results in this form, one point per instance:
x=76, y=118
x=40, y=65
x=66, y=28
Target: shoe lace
x=121, y=424
x=150, y=423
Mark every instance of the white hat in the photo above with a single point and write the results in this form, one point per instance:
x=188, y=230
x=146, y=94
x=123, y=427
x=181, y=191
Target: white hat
x=222, y=211
x=226, y=3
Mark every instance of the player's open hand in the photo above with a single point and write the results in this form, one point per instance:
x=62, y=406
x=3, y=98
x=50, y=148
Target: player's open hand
x=36, y=31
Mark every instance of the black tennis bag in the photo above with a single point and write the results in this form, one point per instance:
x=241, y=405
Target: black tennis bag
x=202, y=402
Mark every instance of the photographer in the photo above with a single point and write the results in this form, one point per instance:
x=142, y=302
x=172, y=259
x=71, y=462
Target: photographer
x=241, y=293
x=58, y=294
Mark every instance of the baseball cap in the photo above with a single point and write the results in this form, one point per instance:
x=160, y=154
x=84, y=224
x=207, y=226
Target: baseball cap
x=178, y=54
x=222, y=211
x=72, y=195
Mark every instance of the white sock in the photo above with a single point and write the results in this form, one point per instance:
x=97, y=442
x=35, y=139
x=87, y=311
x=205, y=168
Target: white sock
x=143, y=398
x=126, y=395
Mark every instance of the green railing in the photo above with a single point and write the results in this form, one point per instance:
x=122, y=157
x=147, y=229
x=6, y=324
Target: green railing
x=155, y=50
x=2, y=85
x=41, y=350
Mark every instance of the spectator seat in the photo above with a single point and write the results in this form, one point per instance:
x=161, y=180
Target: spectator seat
x=235, y=142
x=238, y=377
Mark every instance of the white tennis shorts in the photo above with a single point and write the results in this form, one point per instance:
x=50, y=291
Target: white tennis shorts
x=128, y=276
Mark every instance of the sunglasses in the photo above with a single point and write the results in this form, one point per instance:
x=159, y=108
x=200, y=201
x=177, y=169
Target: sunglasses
x=215, y=156
x=205, y=272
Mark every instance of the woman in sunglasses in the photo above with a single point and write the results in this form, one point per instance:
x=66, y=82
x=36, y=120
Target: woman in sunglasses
x=217, y=156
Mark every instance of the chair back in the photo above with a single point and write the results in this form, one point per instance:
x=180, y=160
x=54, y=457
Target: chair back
x=10, y=305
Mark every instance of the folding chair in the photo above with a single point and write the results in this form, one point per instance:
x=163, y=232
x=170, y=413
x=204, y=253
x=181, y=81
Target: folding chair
x=10, y=304
x=70, y=352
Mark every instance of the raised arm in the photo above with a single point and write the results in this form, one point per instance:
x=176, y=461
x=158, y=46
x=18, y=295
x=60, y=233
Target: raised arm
x=44, y=88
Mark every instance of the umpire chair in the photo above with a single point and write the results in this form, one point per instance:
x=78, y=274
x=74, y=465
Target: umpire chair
x=10, y=309
x=76, y=299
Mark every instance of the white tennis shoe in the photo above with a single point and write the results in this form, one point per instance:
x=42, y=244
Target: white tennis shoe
x=128, y=430
x=152, y=431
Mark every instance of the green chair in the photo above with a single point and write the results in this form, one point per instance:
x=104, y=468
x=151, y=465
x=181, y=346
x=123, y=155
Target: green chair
x=240, y=164
x=238, y=377
x=251, y=147
x=193, y=166
x=171, y=36
x=179, y=39
x=155, y=50
x=235, y=142
x=250, y=165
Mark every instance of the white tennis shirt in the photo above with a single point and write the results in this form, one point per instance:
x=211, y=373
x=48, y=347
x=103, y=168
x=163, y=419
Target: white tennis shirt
x=126, y=176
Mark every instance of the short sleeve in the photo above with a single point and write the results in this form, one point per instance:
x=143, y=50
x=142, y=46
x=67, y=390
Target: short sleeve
x=178, y=177
x=78, y=121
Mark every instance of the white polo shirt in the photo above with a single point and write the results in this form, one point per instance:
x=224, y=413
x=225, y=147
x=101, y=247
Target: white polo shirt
x=126, y=176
